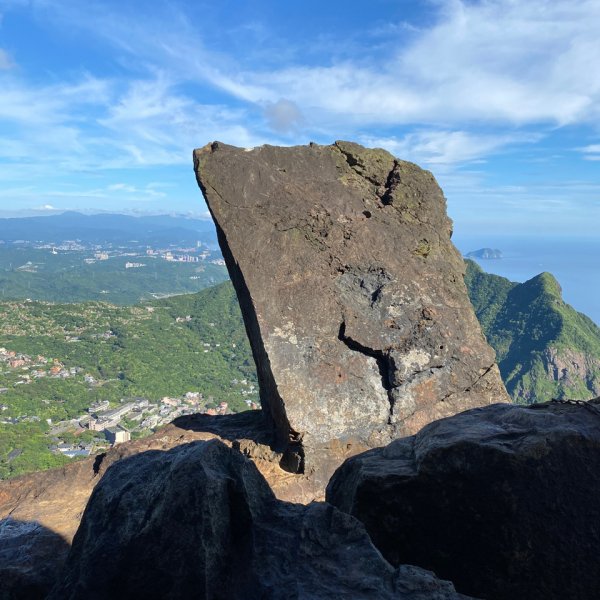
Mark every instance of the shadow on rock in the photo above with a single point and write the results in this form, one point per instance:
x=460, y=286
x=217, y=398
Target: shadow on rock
x=31, y=557
x=200, y=521
x=502, y=500
x=249, y=425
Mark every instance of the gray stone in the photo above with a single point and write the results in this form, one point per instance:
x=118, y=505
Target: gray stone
x=199, y=521
x=31, y=557
x=502, y=500
x=351, y=291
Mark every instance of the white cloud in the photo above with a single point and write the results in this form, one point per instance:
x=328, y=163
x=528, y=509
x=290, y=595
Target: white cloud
x=493, y=60
x=91, y=124
x=470, y=84
x=502, y=61
x=149, y=191
x=591, y=152
x=121, y=187
x=447, y=147
x=156, y=124
x=29, y=104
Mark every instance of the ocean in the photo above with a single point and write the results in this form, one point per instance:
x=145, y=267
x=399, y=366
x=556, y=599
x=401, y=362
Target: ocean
x=574, y=261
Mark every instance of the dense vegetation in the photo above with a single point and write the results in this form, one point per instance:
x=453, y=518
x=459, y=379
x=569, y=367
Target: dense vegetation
x=545, y=348
x=160, y=348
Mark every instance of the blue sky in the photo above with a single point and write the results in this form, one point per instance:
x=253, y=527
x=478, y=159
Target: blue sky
x=101, y=103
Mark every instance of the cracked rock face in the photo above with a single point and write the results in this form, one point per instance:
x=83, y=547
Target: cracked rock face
x=351, y=291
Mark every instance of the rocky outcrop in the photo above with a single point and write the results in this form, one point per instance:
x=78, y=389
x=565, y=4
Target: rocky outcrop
x=57, y=498
x=199, y=521
x=31, y=558
x=577, y=371
x=502, y=500
x=351, y=292
x=48, y=505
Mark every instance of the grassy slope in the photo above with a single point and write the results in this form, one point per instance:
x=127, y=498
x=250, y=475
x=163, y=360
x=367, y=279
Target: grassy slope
x=527, y=322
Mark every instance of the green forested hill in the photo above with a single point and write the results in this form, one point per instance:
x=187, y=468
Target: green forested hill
x=104, y=352
x=197, y=343
x=544, y=347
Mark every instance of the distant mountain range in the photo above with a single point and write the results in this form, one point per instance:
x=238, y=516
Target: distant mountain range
x=545, y=348
x=103, y=228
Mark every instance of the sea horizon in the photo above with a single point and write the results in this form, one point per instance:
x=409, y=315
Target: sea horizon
x=573, y=260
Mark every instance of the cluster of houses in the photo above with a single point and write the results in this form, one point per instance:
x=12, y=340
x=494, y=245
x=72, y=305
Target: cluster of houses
x=188, y=255
x=35, y=367
x=133, y=415
x=13, y=359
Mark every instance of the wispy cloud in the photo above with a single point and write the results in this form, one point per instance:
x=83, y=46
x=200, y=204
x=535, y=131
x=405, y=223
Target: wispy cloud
x=5, y=60
x=110, y=124
x=500, y=61
x=591, y=152
x=444, y=148
x=472, y=81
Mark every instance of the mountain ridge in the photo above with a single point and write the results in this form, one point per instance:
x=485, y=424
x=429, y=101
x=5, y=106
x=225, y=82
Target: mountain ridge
x=544, y=347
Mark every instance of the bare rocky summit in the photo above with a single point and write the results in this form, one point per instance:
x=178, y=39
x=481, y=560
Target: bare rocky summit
x=502, y=500
x=199, y=521
x=57, y=498
x=351, y=290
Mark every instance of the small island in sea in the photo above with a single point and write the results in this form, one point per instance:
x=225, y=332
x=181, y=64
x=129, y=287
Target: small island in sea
x=486, y=253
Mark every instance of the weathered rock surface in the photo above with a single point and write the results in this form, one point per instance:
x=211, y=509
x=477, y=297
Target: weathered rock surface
x=351, y=291
x=31, y=557
x=199, y=521
x=502, y=500
x=56, y=498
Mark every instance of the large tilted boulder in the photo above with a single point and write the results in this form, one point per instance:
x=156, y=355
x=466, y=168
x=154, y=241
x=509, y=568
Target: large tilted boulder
x=351, y=291
x=199, y=521
x=502, y=500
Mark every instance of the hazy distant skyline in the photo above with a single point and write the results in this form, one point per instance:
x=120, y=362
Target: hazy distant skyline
x=101, y=103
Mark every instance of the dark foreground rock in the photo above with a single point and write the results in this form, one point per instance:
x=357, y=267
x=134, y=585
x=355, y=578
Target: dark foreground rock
x=502, y=500
x=351, y=292
x=31, y=558
x=56, y=498
x=199, y=521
